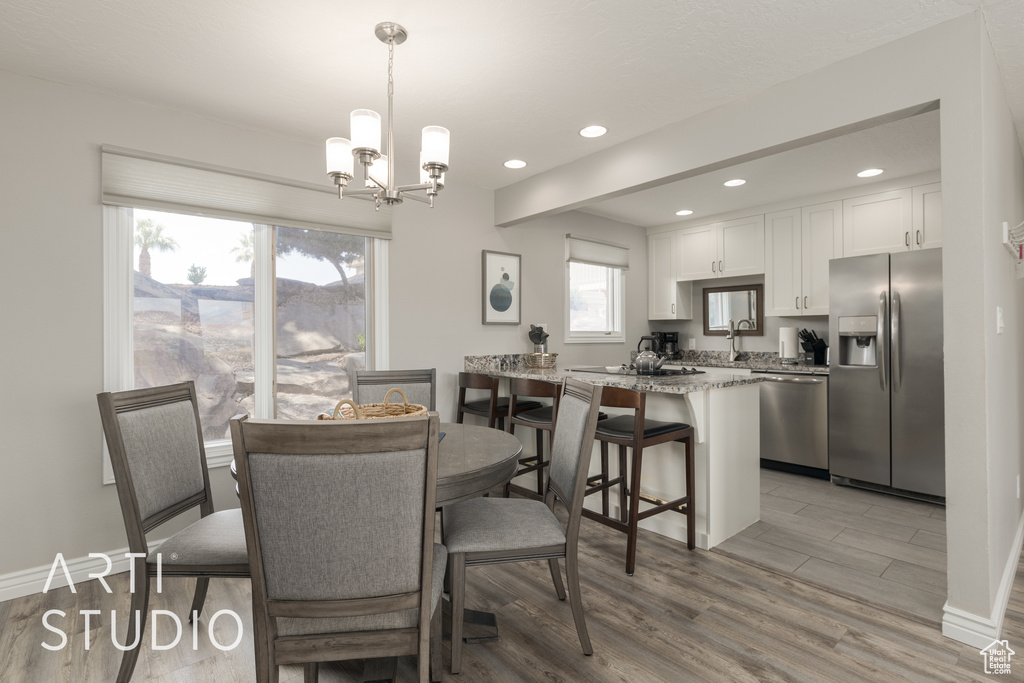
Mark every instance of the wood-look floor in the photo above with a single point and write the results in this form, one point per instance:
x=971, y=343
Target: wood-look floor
x=883, y=549
x=684, y=616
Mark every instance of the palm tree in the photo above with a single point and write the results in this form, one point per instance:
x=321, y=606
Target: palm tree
x=149, y=235
x=246, y=251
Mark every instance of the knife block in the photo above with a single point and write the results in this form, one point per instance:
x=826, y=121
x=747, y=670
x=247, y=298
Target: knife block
x=814, y=352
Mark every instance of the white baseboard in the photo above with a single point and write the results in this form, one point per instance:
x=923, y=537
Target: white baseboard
x=980, y=630
x=32, y=581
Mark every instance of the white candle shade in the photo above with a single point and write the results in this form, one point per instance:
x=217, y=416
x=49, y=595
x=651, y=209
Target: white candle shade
x=339, y=156
x=435, y=145
x=365, y=129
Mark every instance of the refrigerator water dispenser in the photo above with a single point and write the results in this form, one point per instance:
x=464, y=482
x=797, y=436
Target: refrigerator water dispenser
x=858, y=340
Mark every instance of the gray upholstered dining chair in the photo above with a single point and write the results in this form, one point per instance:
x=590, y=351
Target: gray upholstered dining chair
x=339, y=522
x=420, y=386
x=156, y=449
x=495, y=530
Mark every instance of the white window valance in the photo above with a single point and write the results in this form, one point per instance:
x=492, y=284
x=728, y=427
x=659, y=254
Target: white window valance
x=596, y=252
x=152, y=181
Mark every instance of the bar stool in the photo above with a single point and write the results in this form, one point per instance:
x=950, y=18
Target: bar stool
x=637, y=432
x=540, y=419
x=494, y=408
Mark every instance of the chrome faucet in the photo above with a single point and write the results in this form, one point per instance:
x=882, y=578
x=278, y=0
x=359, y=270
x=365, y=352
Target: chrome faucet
x=731, y=336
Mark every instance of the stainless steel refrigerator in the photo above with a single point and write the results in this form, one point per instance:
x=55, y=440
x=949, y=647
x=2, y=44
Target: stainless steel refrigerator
x=885, y=403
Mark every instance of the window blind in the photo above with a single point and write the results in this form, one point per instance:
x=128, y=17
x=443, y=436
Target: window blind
x=151, y=181
x=596, y=252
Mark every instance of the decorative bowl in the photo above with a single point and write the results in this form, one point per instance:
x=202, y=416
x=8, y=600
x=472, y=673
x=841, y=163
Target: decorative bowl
x=541, y=360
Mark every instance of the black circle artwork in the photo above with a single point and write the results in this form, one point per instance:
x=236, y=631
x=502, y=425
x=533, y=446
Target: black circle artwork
x=501, y=294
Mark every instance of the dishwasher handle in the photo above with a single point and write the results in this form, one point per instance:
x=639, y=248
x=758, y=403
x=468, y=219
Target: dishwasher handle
x=793, y=380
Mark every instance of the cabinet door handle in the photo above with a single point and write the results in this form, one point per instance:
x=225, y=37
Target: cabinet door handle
x=906, y=238
x=798, y=303
x=805, y=302
x=673, y=309
x=720, y=267
x=713, y=267
x=918, y=239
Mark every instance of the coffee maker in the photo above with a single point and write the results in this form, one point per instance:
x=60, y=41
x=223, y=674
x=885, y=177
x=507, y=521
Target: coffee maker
x=666, y=343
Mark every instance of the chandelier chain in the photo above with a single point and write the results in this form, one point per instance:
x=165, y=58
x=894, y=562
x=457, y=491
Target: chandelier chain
x=391, y=64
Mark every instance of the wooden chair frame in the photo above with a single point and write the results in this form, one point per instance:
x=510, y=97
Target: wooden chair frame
x=457, y=562
x=629, y=484
x=112, y=404
x=341, y=438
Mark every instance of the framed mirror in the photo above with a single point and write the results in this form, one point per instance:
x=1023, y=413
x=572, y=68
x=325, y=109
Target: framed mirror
x=742, y=304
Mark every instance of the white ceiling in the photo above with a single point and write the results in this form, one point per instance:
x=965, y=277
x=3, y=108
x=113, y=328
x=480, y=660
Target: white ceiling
x=901, y=148
x=509, y=78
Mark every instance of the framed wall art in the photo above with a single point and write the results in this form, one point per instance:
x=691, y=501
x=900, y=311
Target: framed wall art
x=501, y=288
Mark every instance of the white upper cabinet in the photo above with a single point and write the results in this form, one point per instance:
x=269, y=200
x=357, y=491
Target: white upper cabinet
x=782, y=258
x=741, y=247
x=724, y=249
x=927, y=216
x=877, y=223
x=821, y=240
x=889, y=222
x=698, y=249
x=798, y=246
x=667, y=298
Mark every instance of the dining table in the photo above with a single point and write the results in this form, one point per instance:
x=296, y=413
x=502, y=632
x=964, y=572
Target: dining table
x=471, y=461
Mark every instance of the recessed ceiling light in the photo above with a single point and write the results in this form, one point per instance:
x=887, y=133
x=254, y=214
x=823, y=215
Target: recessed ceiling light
x=870, y=172
x=593, y=131
x=515, y=163
x=735, y=182
x=684, y=212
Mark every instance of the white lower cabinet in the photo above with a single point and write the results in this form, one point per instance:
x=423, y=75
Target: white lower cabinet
x=798, y=246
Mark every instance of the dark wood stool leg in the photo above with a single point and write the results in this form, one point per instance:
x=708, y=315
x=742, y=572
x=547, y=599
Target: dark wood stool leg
x=623, y=489
x=604, y=477
x=540, y=462
x=691, y=517
x=634, y=511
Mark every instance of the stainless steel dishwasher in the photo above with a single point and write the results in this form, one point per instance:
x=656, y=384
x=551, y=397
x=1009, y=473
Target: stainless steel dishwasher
x=794, y=422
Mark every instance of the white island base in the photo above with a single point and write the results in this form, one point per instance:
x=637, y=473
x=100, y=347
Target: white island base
x=726, y=467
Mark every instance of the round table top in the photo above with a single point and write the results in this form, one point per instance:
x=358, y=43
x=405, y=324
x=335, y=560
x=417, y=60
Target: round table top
x=471, y=460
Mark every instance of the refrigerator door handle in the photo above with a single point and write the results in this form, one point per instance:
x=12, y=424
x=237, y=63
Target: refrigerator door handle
x=895, y=346
x=880, y=339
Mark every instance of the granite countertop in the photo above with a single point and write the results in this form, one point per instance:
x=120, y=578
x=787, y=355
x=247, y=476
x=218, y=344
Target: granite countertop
x=752, y=360
x=671, y=384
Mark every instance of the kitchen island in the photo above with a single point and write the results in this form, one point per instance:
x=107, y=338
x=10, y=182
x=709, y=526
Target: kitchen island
x=723, y=409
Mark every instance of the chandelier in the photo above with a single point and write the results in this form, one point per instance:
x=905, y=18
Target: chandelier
x=365, y=146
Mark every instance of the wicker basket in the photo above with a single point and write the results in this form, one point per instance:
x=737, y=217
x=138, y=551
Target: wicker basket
x=541, y=360
x=348, y=410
